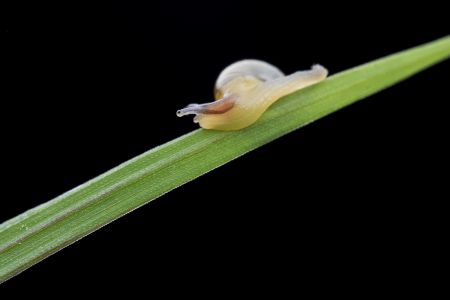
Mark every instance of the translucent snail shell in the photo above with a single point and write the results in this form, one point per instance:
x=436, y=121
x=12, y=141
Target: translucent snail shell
x=245, y=90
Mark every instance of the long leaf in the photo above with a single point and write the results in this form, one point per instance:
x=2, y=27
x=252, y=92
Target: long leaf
x=41, y=231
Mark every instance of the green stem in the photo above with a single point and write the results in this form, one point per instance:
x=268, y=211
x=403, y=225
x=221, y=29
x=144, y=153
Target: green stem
x=43, y=230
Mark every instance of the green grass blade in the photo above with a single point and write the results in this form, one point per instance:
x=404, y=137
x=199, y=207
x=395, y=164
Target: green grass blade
x=40, y=232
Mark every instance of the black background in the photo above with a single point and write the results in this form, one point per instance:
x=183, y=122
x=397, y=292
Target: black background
x=94, y=85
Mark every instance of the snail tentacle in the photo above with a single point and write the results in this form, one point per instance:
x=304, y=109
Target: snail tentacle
x=217, y=107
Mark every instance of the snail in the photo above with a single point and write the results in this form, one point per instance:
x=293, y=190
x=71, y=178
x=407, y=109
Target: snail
x=245, y=90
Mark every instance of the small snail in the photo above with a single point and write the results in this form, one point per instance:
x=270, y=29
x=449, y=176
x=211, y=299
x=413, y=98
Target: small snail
x=243, y=92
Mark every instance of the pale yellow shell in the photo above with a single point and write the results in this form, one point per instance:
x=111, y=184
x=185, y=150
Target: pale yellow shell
x=244, y=91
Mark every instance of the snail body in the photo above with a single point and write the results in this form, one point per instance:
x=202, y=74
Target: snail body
x=245, y=90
